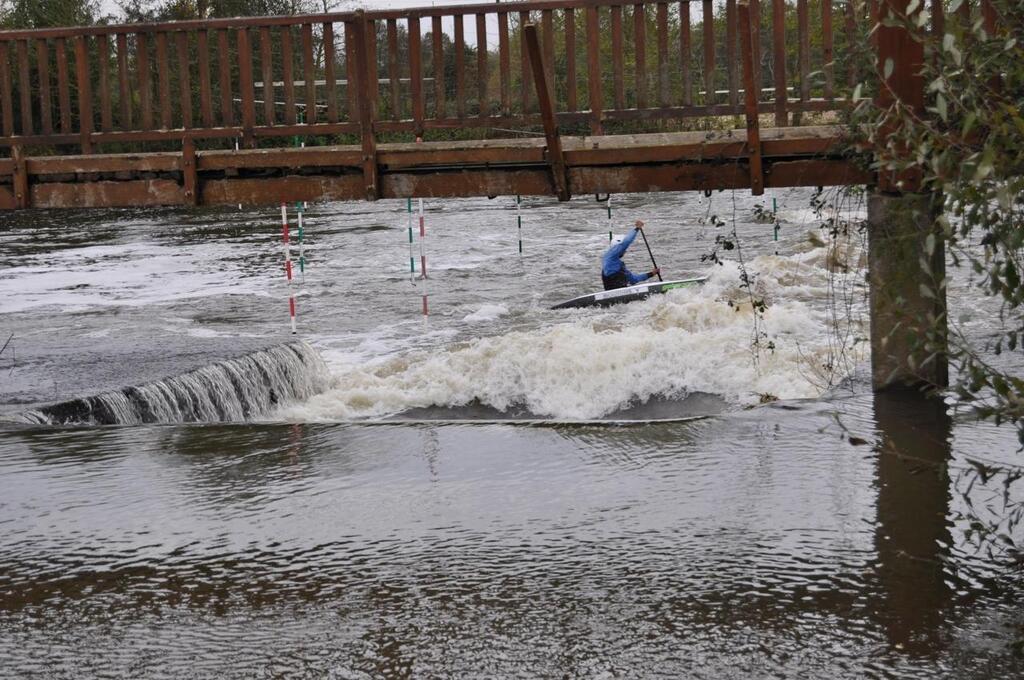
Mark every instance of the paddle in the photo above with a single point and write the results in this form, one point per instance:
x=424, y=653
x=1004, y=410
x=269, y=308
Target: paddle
x=649, y=250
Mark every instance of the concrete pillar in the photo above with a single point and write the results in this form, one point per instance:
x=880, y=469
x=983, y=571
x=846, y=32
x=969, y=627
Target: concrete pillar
x=908, y=306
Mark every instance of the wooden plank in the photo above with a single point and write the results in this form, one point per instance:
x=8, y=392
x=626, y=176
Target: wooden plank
x=851, y=30
x=309, y=73
x=571, y=96
x=85, y=122
x=524, y=62
x=804, y=48
x=548, y=50
x=245, y=86
x=437, y=48
x=145, y=87
x=25, y=87
x=938, y=18
x=163, y=69
x=267, y=73
x=730, y=52
x=618, y=89
x=416, y=74
x=128, y=194
x=755, y=20
x=505, y=62
x=460, y=67
x=295, y=158
x=594, y=70
x=394, y=81
x=664, y=95
x=227, y=105
x=484, y=106
x=123, y=92
x=331, y=81
x=63, y=86
x=904, y=84
x=708, y=22
x=22, y=196
x=640, y=56
x=288, y=74
x=547, y=110
x=750, y=96
x=184, y=80
x=107, y=163
x=352, y=92
x=685, y=47
x=779, y=57
x=45, y=105
x=189, y=172
x=106, y=114
x=371, y=47
x=371, y=181
x=205, y=89
x=826, y=48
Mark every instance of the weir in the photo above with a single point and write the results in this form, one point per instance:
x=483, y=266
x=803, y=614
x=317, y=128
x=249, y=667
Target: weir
x=638, y=96
x=235, y=390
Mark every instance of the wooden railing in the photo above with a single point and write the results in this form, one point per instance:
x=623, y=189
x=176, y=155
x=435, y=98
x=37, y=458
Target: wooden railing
x=257, y=78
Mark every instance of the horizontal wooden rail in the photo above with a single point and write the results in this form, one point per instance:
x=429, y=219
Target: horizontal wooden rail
x=429, y=69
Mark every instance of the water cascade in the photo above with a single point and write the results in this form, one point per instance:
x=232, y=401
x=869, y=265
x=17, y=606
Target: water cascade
x=233, y=390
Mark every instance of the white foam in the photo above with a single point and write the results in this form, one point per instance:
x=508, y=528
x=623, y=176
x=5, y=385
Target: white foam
x=592, y=363
x=487, y=313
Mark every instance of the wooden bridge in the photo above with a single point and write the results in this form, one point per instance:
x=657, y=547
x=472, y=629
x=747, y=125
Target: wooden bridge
x=639, y=96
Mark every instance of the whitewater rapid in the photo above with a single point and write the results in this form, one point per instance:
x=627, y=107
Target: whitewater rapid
x=588, y=364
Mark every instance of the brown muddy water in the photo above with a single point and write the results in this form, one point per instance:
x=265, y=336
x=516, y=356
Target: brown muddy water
x=640, y=514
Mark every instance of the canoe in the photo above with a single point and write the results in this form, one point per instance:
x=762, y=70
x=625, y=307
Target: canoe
x=640, y=291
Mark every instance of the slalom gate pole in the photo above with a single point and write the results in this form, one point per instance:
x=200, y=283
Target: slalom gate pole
x=423, y=259
x=775, y=212
x=519, y=221
x=288, y=264
x=412, y=258
x=300, y=207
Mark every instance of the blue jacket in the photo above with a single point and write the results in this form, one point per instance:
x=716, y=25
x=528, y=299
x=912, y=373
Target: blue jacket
x=611, y=263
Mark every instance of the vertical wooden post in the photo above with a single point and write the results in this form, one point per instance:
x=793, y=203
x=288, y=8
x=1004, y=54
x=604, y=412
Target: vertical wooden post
x=22, y=197
x=685, y=47
x=6, y=97
x=504, y=59
x=483, y=106
x=142, y=71
x=124, y=99
x=618, y=91
x=547, y=111
x=25, y=87
x=43, y=65
x=163, y=72
x=309, y=73
x=640, y=58
x=903, y=58
x=750, y=99
x=189, y=173
x=331, y=81
x=416, y=75
x=245, y=88
x=708, y=22
x=779, y=57
x=594, y=70
x=205, y=89
x=371, y=181
x=570, y=59
x=84, y=93
x=227, y=104
x=106, y=115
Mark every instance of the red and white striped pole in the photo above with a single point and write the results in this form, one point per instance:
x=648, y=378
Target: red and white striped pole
x=288, y=264
x=423, y=258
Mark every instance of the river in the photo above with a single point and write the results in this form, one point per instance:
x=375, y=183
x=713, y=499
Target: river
x=677, y=487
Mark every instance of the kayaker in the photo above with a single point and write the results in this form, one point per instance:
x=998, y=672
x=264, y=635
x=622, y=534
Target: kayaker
x=613, y=271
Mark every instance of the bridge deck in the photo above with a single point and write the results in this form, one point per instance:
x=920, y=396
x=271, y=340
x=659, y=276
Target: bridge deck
x=593, y=164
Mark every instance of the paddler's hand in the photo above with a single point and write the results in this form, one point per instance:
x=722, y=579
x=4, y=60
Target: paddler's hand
x=655, y=272
x=639, y=225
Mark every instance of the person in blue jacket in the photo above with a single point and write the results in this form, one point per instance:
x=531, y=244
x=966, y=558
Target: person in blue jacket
x=613, y=271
